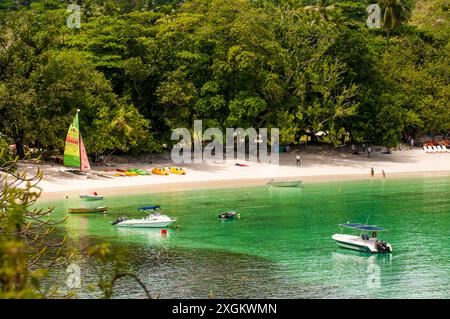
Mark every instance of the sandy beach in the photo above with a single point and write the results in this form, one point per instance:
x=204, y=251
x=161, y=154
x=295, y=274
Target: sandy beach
x=315, y=167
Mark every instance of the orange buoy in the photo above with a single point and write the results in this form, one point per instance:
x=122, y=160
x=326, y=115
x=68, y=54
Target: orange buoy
x=163, y=231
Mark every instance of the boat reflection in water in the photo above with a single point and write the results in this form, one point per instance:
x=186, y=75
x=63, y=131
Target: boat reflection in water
x=152, y=235
x=361, y=269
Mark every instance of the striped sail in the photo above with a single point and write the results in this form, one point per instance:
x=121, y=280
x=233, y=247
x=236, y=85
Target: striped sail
x=83, y=157
x=74, y=152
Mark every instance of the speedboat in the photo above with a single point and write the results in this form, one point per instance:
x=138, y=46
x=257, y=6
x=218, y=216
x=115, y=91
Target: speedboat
x=91, y=197
x=228, y=215
x=154, y=220
x=284, y=183
x=362, y=241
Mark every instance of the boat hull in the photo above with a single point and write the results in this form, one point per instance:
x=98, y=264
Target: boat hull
x=87, y=210
x=285, y=184
x=353, y=247
x=355, y=243
x=137, y=224
x=91, y=197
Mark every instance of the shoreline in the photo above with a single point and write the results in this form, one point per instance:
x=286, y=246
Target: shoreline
x=228, y=183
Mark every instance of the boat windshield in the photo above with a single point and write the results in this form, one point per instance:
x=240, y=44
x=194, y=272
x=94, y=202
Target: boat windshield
x=153, y=207
x=362, y=227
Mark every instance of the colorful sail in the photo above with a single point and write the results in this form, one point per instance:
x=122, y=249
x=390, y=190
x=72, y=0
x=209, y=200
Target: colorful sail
x=75, y=153
x=85, y=166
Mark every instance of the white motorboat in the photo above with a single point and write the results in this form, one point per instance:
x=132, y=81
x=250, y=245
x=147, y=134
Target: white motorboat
x=151, y=221
x=362, y=241
x=290, y=183
x=155, y=220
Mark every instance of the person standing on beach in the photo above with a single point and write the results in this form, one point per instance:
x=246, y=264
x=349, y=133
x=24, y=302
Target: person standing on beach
x=369, y=149
x=297, y=157
x=372, y=172
x=384, y=174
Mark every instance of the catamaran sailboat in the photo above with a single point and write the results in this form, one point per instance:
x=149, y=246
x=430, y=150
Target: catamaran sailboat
x=74, y=152
x=362, y=241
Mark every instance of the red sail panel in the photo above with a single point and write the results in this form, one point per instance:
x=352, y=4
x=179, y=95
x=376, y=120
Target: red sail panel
x=85, y=166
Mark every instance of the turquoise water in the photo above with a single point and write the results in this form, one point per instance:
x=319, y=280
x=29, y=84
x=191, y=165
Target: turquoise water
x=281, y=247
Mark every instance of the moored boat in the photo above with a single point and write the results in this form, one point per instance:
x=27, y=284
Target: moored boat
x=362, y=241
x=228, y=216
x=91, y=197
x=154, y=220
x=82, y=210
x=290, y=183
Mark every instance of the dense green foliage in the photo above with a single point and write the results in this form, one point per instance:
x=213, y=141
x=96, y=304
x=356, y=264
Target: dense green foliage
x=29, y=252
x=138, y=69
x=25, y=235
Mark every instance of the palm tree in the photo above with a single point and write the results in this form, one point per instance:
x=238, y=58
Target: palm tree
x=120, y=122
x=393, y=12
x=321, y=7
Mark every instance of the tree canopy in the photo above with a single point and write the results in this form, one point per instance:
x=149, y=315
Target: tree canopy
x=139, y=69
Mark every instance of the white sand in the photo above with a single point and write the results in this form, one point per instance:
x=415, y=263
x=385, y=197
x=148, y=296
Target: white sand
x=315, y=167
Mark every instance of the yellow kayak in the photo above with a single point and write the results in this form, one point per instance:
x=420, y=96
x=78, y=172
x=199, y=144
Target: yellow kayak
x=160, y=171
x=177, y=170
x=119, y=174
x=131, y=174
x=101, y=209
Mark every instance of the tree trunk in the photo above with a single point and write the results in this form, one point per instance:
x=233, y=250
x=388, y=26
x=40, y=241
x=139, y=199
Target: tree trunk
x=20, y=149
x=387, y=38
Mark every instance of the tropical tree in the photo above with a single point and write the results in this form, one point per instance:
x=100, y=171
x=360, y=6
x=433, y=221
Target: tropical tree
x=28, y=248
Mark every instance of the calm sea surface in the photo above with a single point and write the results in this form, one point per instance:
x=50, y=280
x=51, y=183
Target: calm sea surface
x=281, y=247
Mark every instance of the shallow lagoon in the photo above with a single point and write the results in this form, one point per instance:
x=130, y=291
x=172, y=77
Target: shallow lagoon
x=281, y=247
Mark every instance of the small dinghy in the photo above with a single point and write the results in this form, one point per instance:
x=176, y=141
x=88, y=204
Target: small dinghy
x=154, y=220
x=91, y=197
x=362, y=241
x=83, y=210
x=284, y=183
x=228, y=216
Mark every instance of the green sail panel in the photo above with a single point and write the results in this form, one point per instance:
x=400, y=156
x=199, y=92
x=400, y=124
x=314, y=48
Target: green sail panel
x=72, y=149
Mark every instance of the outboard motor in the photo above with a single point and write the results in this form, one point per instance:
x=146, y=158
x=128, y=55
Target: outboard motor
x=383, y=247
x=119, y=220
